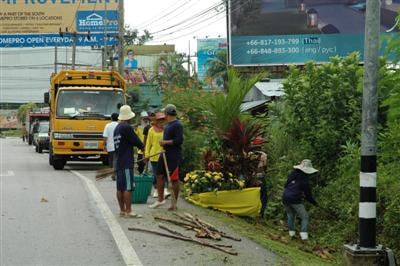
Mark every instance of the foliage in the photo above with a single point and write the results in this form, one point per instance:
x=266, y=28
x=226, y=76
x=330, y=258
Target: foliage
x=192, y=150
x=238, y=155
x=323, y=108
x=225, y=109
x=21, y=115
x=131, y=36
x=206, y=181
x=218, y=68
x=191, y=105
x=171, y=73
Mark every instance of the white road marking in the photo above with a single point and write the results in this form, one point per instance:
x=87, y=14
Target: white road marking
x=9, y=173
x=128, y=253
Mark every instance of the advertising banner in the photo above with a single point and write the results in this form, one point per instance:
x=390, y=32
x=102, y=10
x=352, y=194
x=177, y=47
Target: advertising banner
x=276, y=32
x=207, y=49
x=25, y=20
x=8, y=119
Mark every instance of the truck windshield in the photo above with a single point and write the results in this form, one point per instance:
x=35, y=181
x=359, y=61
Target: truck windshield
x=43, y=127
x=88, y=103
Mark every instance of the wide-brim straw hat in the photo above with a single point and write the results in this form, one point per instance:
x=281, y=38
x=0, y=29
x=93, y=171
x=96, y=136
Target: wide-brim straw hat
x=125, y=113
x=306, y=167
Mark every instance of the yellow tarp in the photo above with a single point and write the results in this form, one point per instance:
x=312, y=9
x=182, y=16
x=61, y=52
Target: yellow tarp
x=245, y=202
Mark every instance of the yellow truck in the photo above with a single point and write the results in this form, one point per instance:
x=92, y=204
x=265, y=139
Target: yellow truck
x=81, y=104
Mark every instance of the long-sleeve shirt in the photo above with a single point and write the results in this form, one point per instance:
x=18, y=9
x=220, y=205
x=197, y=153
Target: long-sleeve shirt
x=297, y=188
x=153, y=144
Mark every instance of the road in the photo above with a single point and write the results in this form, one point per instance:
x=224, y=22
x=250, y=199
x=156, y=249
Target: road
x=65, y=217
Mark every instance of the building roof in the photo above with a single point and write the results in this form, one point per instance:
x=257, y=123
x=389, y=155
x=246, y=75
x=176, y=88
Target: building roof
x=250, y=105
x=271, y=88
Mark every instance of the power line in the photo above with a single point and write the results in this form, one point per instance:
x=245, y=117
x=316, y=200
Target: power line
x=193, y=23
x=202, y=13
x=183, y=35
x=164, y=22
x=164, y=15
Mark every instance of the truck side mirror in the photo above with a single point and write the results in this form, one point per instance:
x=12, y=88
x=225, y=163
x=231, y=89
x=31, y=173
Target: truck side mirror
x=46, y=97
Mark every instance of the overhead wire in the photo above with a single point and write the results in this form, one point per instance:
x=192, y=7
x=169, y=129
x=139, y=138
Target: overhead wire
x=201, y=13
x=198, y=29
x=156, y=17
x=192, y=24
x=164, y=15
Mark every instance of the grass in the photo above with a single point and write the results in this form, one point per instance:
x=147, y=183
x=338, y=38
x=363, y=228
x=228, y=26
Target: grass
x=270, y=237
x=11, y=133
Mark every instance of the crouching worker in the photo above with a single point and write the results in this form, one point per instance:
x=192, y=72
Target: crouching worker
x=124, y=140
x=297, y=187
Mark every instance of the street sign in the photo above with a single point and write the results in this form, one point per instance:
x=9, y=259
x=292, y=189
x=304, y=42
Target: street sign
x=277, y=32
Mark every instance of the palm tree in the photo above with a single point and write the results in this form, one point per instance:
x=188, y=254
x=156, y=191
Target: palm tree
x=218, y=68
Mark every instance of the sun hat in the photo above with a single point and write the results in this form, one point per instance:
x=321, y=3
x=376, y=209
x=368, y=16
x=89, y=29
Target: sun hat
x=160, y=115
x=170, y=109
x=125, y=113
x=306, y=167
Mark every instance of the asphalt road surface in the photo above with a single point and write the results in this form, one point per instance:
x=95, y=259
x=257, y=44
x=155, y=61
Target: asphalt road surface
x=65, y=217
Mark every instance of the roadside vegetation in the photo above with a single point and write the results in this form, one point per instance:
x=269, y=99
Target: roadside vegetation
x=319, y=119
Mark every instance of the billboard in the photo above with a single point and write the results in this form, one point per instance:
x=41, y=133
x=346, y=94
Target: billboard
x=34, y=23
x=274, y=32
x=8, y=119
x=207, y=49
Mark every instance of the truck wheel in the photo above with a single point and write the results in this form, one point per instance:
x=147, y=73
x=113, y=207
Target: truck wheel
x=59, y=164
x=51, y=159
x=39, y=149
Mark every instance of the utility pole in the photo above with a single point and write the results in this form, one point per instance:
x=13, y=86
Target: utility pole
x=189, y=60
x=121, y=33
x=228, y=31
x=74, y=38
x=55, y=59
x=367, y=252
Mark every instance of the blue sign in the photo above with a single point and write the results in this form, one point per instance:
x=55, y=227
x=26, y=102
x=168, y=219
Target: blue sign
x=207, y=49
x=97, y=21
x=41, y=40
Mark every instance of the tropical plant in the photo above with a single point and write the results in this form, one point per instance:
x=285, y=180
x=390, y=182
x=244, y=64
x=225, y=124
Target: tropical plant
x=171, y=72
x=225, y=108
x=21, y=114
x=132, y=37
x=200, y=181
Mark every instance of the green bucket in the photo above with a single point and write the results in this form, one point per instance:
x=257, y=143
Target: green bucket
x=143, y=184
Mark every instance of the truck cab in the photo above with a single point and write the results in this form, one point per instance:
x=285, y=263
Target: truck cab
x=81, y=104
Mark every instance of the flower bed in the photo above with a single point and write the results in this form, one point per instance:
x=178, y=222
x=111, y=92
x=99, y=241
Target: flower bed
x=223, y=192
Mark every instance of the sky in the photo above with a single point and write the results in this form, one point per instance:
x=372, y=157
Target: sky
x=177, y=21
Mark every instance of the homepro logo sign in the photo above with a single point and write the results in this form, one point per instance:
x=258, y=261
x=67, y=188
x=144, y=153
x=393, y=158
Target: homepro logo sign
x=97, y=21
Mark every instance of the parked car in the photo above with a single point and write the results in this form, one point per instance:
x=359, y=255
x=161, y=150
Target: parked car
x=41, y=138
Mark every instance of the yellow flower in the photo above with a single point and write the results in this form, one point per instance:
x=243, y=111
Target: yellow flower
x=241, y=184
x=186, y=178
x=208, y=175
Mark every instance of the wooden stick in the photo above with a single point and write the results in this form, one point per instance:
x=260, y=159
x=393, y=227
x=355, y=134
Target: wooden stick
x=188, y=239
x=171, y=231
x=173, y=221
x=213, y=228
x=103, y=173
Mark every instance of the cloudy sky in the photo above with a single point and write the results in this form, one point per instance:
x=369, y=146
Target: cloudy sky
x=177, y=21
